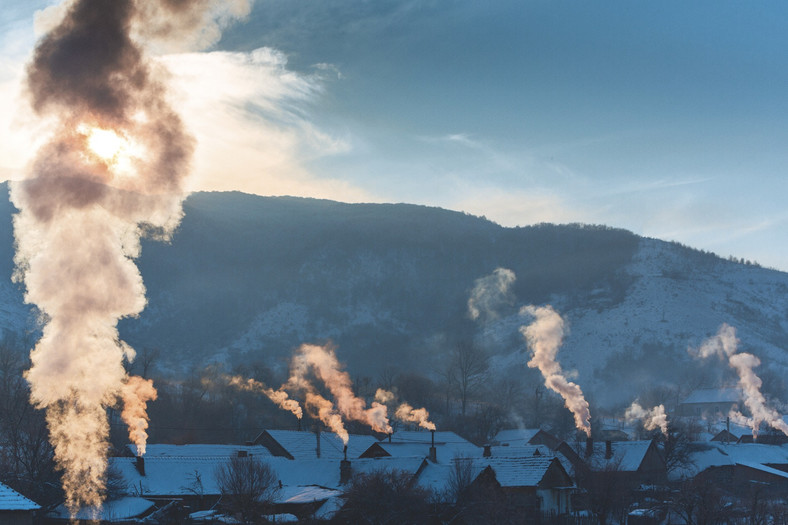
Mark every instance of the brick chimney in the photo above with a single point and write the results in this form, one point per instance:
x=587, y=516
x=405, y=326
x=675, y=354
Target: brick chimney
x=345, y=471
x=608, y=449
x=140, y=464
x=433, y=451
x=487, y=451
x=589, y=447
x=317, y=441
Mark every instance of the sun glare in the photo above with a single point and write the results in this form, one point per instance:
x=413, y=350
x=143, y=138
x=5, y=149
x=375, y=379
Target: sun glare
x=105, y=143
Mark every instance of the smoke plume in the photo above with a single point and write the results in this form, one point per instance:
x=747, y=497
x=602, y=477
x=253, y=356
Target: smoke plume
x=490, y=293
x=323, y=362
x=279, y=397
x=404, y=412
x=652, y=419
x=545, y=336
x=111, y=171
x=724, y=345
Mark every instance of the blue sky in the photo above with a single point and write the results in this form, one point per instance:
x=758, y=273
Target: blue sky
x=667, y=118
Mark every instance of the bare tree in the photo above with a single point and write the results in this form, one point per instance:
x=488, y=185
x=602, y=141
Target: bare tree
x=247, y=485
x=469, y=366
x=460, y=477
x=385, y=497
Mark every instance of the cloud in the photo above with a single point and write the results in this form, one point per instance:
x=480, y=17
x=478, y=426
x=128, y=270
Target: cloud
x=250, y=115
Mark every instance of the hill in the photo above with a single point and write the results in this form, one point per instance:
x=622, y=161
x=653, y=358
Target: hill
x=249, y=278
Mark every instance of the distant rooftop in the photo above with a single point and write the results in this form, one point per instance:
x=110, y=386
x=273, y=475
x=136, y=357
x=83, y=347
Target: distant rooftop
x=12, y=500
x=714, y=395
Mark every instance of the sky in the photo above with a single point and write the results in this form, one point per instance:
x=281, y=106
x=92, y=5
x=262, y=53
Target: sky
x=669, y=119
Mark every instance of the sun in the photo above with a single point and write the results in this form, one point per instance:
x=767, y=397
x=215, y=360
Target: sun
x=105, y=143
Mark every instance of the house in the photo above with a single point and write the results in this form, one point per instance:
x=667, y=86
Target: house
x=518, y=437
x=124, y=509
x=292, y=444
x=307, y=487
x=536, y=483
x=445, y=446
x=632, y=463
x=15, y=509
x=710, y=402
x=724, y=457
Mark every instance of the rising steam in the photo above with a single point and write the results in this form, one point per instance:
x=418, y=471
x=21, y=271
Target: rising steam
x=545, y=336
x=404, y=412
x=490, y=293
x=323, y=362
x=724, y=345
x=652, y=419
x=279, y=397
x=111, y=171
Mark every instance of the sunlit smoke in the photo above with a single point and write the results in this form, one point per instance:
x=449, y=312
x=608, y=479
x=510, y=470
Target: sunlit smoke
x=724, y=345
x=490, y=293
x=279, y=397
x=652, y=419
x=545, y=336
x=111, y=170
x=404, y=412
x=323, y=362
x=135, y=393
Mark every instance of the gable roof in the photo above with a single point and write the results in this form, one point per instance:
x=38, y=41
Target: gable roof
x=526, y=471
x=444, y=452
x=515, y=436
x=716, y=454
x=120, y=509
x=627, y=456
x=303, y=445
x=12, y=500
x=424, y=436
x=201, y=450
x=713, y=395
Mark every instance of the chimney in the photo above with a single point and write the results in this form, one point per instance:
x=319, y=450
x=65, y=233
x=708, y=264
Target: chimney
x=299, y=424
x=140, y=464
x=589, y=447
x=608, y=449
x=344, y=469
x=433, y=451
x=487, y=451
x=390, y=436
x=317, y=446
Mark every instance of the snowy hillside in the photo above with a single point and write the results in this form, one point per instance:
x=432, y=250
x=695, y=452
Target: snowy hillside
x=250, y=278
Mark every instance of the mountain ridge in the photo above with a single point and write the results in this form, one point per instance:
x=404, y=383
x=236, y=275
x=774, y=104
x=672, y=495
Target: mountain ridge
x=249, y=278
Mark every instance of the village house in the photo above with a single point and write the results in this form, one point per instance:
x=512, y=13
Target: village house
x=710, y=403
x=631, y=463
x=518, y=437
x=294, y=444
x=15, y=509
x=442, y=448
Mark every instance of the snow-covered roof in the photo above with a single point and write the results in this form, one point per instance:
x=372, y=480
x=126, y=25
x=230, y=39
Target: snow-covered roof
x=627, y=455
x=198, y=450
x=12, y=500
x=717, y=454
x=303, y=445
x=517, y=471
x=764, y=468
x=121, y=509
x=424, y=436
x=515, y=436
x=308, y=494
x=444, y=452
x=713, y=395
x=182, y=476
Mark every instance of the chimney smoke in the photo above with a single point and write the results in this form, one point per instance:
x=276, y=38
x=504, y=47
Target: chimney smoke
x=545, y=336
x=111, y=171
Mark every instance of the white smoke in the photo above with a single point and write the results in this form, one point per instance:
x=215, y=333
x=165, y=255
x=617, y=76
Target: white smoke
x=545, y=336
x=652, y=419
x=724, y=345
x=490, y=293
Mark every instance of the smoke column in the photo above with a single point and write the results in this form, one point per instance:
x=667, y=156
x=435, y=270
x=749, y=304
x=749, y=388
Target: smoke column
x=326, y=367
x=490, y=293
x=279, y=397
x=404, y=411
x=652, y=419
x=724, y=345
x=111, y=171
x=545, y=336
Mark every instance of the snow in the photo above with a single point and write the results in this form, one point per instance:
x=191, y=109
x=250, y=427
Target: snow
x=516, y=436
x=303, y=445
x=716, y=454
x=154, y=450
x=120, y=509
x=12, y=500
